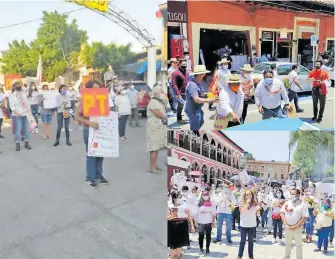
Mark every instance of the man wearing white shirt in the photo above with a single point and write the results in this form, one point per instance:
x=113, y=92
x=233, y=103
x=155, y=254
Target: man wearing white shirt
x=223, y=73
x=293, y=214
x=132, y=94
x=268, y=96
x=224, y=201
x=293, y=89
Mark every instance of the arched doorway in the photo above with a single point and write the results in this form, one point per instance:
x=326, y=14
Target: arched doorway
x=204, y=170
x=219, y=153
x=224, y=175
x=229, y=158
x=171, y=136
x=195, y=145
x=187, y=140
x=181, y=139
x=205, y=145
x=195, y=166
x=213, y=150
x=228, y=176
x=224, y=156
x=212, y=176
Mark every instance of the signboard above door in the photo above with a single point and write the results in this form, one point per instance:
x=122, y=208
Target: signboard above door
x=267, y=35
x=177, y=11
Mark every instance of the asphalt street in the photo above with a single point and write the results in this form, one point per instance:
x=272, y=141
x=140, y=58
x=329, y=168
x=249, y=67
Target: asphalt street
x=263, y=248
x=305, y=102
x=47, y=211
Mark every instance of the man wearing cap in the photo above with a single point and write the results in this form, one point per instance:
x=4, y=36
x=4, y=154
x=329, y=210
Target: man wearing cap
x=179, y=82
x=268, y=96
x=247, y=86
x=171, y=93
x=230, y=105
x=195, y=98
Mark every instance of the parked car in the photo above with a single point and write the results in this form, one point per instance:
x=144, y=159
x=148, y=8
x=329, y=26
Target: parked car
x=283, y=69
x=143, y=96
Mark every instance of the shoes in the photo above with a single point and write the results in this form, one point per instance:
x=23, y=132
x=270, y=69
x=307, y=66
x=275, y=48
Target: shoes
x=102, y=180
x=123, y=138
x=325, y=252
x=300, y=110
x=319, y=120
x=27, y=146
x=229, y=241
x=1, y=136
x=68, y=142
x=314, y=118
x=17, y=148
x=201, y=251
x=207, y=251
x=92, y=184
x=274, y=240
x=216, y=241
x=56, y=143
x=317, y=250
x=182, y=122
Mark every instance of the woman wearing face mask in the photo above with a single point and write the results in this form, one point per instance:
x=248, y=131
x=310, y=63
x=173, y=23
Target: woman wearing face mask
x=33, y=96
x=309, y=199
x=94, y=165
x=178, y=228
x=324, y=216
x=206, y=220
x=247, y=85
x=63, y=105
x=249, y=210
x=230, y=105
x=156, y=125
x=268, y=96
x=277, y=204
x=123, y=108
x=192, y=201
x=46, y=116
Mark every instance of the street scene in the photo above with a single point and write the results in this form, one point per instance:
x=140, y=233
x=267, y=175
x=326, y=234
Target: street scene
x=235, y=196
x=230, y=70
x=82, y=130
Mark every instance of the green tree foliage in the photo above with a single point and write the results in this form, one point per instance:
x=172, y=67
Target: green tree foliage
x=57, y=41
x=314, y=153
x=99, y=56
x=250, y=157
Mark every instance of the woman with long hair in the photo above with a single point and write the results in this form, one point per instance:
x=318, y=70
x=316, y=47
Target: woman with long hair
x=277, y=203
x=156, y=125
x=46, y=116
x=33, y=97
x=249, y=210
x=206, y=220
x=324, y=216
x=178, y=228
x=94, y=165
x=63, y=106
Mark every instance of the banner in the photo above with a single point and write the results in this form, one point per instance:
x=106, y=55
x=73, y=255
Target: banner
x=244, y=177
x=27, y=110
x=95, y=101
x=99, y=5
x=9, y=79
x=50, y=99
x=104, y=142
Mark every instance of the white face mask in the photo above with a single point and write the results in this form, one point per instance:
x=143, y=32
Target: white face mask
x=187, y=57
x=247, y=76
x=123, y=92
x=268, y=81
x=162, y=96
x=225, y=66
x=33, y=87
x=132, y=87
x=206, y=198
x=180, y=201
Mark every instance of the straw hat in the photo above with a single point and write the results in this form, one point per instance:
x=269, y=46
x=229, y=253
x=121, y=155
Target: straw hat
x=247, y=68
x=234, y=79
x=16, y=82
x=224, y=60
x=172, y=60
x=200, y=69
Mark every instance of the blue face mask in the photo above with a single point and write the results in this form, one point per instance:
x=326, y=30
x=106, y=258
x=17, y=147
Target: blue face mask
x=63, y=92
x=268, y=81
x=325, y=206
x=226, y=190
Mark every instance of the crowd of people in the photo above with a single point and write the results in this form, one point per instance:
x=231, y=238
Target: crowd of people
x=283, y=212
x=234, y=92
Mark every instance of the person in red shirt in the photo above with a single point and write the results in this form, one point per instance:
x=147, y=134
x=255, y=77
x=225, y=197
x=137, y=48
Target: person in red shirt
x=319, y=90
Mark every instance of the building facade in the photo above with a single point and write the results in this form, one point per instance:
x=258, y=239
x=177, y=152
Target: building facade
x=212, y=153
x=249, y=27
x=269, y=169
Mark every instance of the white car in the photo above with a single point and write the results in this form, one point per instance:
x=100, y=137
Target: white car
x=283, y=69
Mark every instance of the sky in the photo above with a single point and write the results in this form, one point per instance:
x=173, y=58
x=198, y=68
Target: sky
x=98, y=27
x=264, y=145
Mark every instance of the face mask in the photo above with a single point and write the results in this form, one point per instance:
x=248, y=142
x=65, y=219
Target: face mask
x=183, y=67
x=180, y=201
x=132, y=87
x=234, y=88
x=278, y=194
x=325, y=206
x=268, y=81
x=162, y=96
x=293, y=198
x=225, y=66
x=63, y=92
x=317, y=67
x=187, y=57
x=247, y=76
x=226, y=47
x=226, y=190
x=33, y=88
x=18, y=88
x=206, y=198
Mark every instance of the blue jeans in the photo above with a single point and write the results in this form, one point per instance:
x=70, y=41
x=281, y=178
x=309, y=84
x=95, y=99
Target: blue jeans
x=21, y=122
x=229, y=219
x=251, y=233
x=310, y=223
x=172, y=98
x=265, y=218
x=196, y=119
x=273, y=113
x=93, y=164
x=323, y=234
x=331, y=235
x=34, y=111
x=122, y=125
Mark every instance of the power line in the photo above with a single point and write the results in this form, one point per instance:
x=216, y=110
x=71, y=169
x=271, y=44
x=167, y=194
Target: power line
x=21, y=23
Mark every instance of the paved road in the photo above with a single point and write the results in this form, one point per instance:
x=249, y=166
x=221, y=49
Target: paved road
x=254, y=116
x=263, y=248
x=48, y=212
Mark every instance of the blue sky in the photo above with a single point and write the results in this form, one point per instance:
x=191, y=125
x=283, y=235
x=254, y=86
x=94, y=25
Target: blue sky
x=264, y=145
x=98, y=27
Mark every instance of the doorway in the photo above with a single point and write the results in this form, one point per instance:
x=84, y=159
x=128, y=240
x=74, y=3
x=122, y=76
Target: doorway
x=306, y=51
x=267, y=48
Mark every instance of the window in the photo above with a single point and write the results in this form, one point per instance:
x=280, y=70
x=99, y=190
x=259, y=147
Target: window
x=282, y=176
x=262, y=168
x=330, y=46
x=284, y=69
x=275, y=176
x=303, y=71
x=259, y=68
x=269, y=169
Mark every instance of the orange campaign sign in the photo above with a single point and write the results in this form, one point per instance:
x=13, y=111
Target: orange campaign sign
x=85, y=79
x=9, y=79
x=95, y=101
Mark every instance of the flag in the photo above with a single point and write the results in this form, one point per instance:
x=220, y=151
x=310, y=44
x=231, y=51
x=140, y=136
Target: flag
x=39, y=74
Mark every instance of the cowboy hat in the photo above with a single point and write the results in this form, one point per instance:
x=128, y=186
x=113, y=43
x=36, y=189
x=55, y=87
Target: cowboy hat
x=172, y=60
x=247, y=68
x=233, y=79
x=16, y=81
x=200, y=69
x=224, y=60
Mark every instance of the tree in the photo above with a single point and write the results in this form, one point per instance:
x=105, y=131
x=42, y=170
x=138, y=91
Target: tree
x=314, y=153
x=100, y=56
x=250, y=157
x=57, y=42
